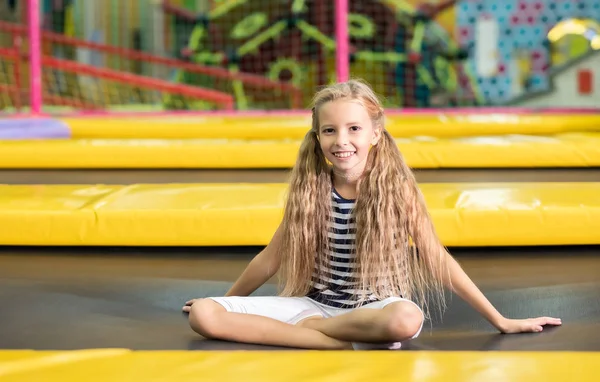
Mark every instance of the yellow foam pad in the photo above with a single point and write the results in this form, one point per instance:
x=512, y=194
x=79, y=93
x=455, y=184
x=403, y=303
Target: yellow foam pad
x=464, y=214
x=334, y=366
x=295, y=126
x=565, y=150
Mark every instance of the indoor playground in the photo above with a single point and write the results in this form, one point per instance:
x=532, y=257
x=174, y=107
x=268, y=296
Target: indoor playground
x=146, y=148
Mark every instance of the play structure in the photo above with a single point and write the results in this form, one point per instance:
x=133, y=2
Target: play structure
x=417, y=60
x=266, y=55
x=240, y=55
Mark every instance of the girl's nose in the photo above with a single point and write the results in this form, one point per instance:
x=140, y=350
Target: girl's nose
x=341, y=139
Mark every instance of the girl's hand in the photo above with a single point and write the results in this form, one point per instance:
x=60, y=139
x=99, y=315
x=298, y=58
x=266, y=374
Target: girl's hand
x=188, y=305
x=530, y=325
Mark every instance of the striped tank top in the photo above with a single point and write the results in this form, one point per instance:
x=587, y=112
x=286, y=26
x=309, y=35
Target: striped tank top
x=338, y=284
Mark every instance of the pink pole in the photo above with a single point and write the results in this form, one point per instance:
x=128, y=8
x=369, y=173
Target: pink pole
x=342, y=63
x=35, y=55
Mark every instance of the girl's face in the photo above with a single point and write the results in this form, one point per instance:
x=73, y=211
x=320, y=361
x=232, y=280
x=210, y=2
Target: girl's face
x=346, y=134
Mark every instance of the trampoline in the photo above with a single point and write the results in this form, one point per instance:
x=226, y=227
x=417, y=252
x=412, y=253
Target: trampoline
x=77, y=298
x=69, y=310
x=81, y=298
x=152, y=176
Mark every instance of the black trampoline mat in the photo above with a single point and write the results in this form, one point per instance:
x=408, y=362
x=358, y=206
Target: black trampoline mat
x=76, y=298
x=133, y=176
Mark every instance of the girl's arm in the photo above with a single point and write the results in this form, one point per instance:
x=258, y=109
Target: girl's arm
x=462, y=285
x=262, y=267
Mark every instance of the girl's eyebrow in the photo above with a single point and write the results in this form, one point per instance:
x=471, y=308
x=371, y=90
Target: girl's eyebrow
x=347, y=124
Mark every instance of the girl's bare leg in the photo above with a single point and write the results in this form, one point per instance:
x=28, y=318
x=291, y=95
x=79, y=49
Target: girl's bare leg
x=211, y=320
x=396, y=322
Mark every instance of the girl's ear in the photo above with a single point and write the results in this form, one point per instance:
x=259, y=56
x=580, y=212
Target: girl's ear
x=376, y=135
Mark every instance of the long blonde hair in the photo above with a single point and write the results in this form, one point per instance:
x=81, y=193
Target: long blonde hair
x=397, y=249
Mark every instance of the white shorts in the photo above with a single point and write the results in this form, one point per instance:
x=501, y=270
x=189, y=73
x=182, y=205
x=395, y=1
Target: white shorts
x=295, y=309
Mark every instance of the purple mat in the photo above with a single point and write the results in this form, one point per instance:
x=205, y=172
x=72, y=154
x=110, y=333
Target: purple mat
x=39, y=128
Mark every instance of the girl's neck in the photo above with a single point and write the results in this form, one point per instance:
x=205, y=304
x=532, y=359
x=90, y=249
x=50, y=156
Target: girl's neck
x=345, y=186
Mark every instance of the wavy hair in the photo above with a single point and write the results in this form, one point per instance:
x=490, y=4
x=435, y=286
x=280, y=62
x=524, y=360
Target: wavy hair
x=397, y=249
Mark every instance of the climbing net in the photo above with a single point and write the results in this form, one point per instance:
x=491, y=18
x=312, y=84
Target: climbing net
x=294, y=42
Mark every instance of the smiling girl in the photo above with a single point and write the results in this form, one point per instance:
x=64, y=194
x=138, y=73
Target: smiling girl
x=358, y=256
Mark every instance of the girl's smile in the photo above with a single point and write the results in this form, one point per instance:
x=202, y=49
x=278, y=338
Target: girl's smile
x=343, y=155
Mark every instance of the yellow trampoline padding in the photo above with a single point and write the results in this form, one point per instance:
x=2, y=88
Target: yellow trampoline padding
x=464, y=214
x=565, y=150
x=295, y=126
x=121, y=365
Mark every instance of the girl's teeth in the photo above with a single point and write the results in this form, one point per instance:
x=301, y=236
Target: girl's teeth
x=343, y=155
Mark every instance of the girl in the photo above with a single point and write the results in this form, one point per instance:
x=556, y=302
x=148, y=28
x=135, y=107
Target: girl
x=357, y=253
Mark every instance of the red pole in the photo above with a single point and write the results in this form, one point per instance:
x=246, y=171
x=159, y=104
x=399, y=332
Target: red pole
x=35, y=54
x=342, y=40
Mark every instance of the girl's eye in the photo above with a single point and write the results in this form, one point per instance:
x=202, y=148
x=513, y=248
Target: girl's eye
x=355, y=128
x=326, y=131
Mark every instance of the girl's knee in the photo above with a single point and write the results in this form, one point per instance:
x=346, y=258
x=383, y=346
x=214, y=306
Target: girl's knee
x=405, y=320
x=204, y=318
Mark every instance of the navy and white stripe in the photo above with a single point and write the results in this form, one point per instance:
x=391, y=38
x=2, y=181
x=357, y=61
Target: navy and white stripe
x=338, y=284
